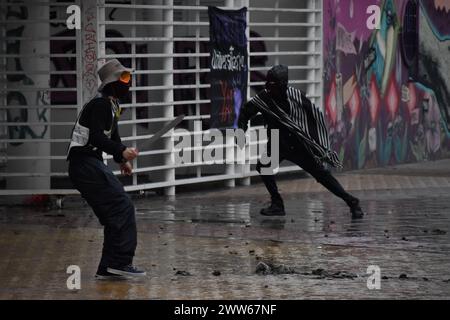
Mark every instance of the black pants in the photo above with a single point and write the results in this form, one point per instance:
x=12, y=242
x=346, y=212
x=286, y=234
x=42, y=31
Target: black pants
x=303, y=159
x=112, y=206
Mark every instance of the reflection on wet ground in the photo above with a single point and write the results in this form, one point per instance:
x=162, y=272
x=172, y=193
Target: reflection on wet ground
x=210, y=245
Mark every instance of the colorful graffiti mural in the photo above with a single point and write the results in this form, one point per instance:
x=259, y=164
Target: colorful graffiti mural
x=434, y=70
x=377, y=112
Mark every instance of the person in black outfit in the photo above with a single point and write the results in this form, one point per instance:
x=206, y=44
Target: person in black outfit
x=303, y=137
x=95, y=132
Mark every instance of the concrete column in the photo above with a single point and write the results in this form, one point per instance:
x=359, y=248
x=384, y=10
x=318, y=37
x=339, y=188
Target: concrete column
x=90, y=31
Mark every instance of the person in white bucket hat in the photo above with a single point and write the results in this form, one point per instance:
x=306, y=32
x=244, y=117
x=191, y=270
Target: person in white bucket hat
x=96, y=131
x=112, y=71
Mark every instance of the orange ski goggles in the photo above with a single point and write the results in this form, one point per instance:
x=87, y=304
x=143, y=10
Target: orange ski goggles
x=125, y=77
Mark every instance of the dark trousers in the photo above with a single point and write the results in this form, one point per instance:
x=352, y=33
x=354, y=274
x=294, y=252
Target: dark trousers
x=112, y=206
x=303, y=159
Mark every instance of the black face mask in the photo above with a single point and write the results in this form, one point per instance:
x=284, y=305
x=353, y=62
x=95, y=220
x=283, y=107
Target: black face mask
x=276, y=90
x=120, y=90
x=277, y=81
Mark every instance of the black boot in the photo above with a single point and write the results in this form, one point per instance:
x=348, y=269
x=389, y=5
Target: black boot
x=275, y=209
x=355, y=209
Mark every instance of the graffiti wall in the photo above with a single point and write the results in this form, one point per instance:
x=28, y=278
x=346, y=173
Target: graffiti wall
x=379, y=109
x=434, y=66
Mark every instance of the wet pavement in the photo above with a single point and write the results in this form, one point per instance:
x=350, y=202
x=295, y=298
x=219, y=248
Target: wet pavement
x=215, y=245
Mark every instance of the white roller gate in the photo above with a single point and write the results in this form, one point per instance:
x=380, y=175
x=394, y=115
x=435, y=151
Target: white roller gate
x=38, y=94
x=166, y=42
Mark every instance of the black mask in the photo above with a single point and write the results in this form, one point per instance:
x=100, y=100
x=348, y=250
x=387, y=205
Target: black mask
x=118, y=89
x=277, y=81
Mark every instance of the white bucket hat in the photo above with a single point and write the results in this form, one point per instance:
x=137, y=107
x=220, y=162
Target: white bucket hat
x=110, y=72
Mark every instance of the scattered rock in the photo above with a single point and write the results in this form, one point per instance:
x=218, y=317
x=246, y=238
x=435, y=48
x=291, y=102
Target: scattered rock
x=292, y=220
x=182, y=273
x=216, y=273
x=404, y=239
x=425, y=231
x=270, y=268
x=266, y=286
x=262, y=268
x=344, y=275
x=403, y=276
x=322, y=274
x=275, y=241
x=318, y=272
x=447, y=281
x=252, y=252
x=230, y=234
x=326, y=236
x=425, y=279
x=90, y=240
x=384, y=277
x=386, y=231
x=439, y=231
x=316, y=220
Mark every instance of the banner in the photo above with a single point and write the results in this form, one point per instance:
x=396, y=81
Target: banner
x=228, y=77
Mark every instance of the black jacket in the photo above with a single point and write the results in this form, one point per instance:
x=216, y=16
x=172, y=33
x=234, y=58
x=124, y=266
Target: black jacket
x=287, y=141
x=300, y=123
x=99, y=117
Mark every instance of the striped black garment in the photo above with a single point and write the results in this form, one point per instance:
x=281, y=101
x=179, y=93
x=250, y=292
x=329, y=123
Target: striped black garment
x=304, y=120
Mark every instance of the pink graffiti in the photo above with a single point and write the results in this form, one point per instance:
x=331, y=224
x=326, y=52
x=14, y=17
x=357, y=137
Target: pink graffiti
x=374, y=100
x=392, y=97
x=227, y=94
x=331, y=104
x=412, y=103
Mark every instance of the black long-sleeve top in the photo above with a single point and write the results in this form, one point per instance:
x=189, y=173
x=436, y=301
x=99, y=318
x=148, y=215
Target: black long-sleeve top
x=99, y=118
x=249, y=110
